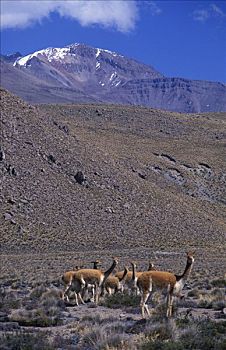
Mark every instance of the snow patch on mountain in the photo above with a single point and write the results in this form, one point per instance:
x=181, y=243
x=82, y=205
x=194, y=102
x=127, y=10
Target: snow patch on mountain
x=107, y=51
x=98, y=52
x=50, y=54
x=118, y=82
x=114, y=79
x=58, y=54
x=113, y=76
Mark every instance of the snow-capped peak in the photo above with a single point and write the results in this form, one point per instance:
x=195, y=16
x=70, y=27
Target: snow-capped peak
x=50, y=54
x=57, y=54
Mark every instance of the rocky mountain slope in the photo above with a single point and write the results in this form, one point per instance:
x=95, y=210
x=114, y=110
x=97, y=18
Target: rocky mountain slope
x=81, y=73
x=98, y=179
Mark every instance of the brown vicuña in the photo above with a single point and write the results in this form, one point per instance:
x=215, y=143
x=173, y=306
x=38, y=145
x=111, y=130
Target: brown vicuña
x=114, y=284
x=136, y=274
x=173, y=284
x=130, y=282
x=78, y=280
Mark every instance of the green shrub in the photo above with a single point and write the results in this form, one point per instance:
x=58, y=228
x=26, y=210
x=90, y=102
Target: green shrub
x=119, y=300
x=220, y=283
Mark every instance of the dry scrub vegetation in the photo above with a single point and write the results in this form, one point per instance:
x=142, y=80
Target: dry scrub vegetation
x=34, y=317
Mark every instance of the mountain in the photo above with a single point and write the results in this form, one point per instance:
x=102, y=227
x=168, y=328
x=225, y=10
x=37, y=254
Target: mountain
x=151, y=179
x=35, y=90
x=80, y=73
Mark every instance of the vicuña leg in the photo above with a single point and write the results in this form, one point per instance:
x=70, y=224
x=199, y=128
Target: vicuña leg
x=64, y=295
x=144, y=306
x=169, y=304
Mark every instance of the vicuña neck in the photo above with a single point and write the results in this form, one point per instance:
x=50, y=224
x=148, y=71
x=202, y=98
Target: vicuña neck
x=133, y=272
x=124, y=275
x=109, y=271
x=187, y=271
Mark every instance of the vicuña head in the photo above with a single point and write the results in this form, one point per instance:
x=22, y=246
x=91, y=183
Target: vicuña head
x=96, y=264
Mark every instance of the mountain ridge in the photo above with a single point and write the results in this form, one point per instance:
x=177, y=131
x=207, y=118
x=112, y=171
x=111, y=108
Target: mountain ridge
x=81, y=73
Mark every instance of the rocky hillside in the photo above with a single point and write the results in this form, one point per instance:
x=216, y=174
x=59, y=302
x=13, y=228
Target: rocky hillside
x=117, y=180
x=80, y=73
x=181, y=95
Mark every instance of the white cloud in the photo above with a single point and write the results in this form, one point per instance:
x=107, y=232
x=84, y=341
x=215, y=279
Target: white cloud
x=216, y=10
x=200, y=15
x=212, y=11
x=152, y=7
x=121, y=15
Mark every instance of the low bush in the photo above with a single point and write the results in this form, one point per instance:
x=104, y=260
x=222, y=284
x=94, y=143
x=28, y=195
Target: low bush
x=9, y=300
x=42, y=309
x=119, y=300
x=220, y=283
x=24, y=340
x=101, y=338
x=206, y=335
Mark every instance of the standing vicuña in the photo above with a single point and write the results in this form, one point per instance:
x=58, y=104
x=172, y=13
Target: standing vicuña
x=163, y=280
x=78, y=280
x=131, y=277
x=114, y=284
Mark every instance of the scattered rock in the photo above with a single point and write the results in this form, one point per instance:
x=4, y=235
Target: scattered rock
x=65, y=129
x=143, y=176
x=80, y=177
x=109, y=210
x=11, y=170
x=156, y=169
x=29, y=143
x=204, y=170
x=98, y=112
x=11, y=201
x=20, y=230
x=8, y=216
x=175, y=176
x=51, y=158
x=168, y=157
x=2, y=155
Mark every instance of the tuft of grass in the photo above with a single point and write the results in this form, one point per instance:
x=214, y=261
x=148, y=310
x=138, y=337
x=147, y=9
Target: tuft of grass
x=37, y=317
x=37, y=292
x=23, y=340
x=101, y=338
x=214, y=299
x=208, y=335
x=219, y=283
x=42, y=309
x=98, y=319
x=9, y=300
x=119, y=300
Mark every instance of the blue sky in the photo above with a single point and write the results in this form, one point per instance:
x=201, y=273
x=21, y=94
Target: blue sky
x=179, y=38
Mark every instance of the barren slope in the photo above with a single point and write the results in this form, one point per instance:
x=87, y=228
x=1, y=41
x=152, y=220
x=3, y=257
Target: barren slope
x=155, y=184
